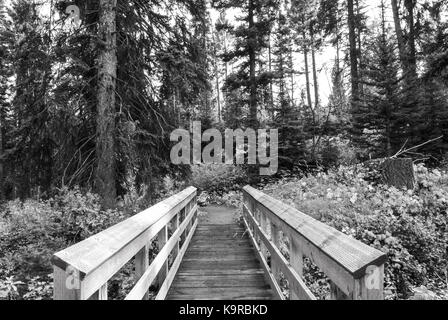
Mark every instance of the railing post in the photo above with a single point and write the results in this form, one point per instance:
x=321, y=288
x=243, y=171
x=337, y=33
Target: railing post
x=336, y=293
x=142, y=264
x=162, y=239
x=296, y=261
x=101, y=294
x=66, y=284
x=371, y=286
x=181, y=216
x=275, y=236
x=175, y=227
x=263, y=225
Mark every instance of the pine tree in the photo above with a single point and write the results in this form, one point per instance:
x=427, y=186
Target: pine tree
x=4, y=103
x=251, y=37
x=287, y=118
x=378, y=120
x=30, y=146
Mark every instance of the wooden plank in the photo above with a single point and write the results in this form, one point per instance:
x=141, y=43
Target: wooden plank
x=212, y=251
x=222, y=293
x=216, y=277
x=161, y=295
x=151, y=273
x=371, y=286
x=162, y=239
x=142, y=264
x=198, y=273
x=234, y=264
x=101, y=294
x=275, y=263
x=352, y=255
x=296, y=262
x=66, y=285
x=176, y=224
x=225, y=282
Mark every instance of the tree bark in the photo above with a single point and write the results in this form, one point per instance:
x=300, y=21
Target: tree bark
x=400, y=38
x=252, y=68
x=313, y=61
x=353, y=54
x=412, y=59
x=271, y=85
x=291, y=59
x=398, y=173
x=107, y=73
x=217, y=80
x=359, y=53
x=307, y=72
x=2, y=193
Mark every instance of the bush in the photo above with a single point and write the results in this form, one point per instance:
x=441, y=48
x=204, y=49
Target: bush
x=218, y=178
x=32, y=231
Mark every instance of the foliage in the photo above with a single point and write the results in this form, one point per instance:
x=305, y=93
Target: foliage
x=218, y=179
x=33, y=230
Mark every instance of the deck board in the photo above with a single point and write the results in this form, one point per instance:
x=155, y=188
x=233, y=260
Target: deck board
x=220, y=263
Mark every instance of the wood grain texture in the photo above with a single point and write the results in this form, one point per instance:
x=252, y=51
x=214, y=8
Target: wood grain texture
x=352, y=255
x=88, y=255
x=220, y=264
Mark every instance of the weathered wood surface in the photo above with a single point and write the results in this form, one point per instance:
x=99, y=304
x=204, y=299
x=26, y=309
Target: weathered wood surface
x=355, y=268
x=220, y=264
x=82, y=271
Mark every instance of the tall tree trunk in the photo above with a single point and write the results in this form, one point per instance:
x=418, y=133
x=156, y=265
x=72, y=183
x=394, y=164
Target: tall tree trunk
x=252, y=67
x=307, y=73
x=225, y=53
x=107, y=73
x=2, y=192
x=359, y=52
x=291, y=59
x=412, y=59
x=400, y=39
x=353, y=54
x=217, y=82
x=271, y=85
x=316, y=80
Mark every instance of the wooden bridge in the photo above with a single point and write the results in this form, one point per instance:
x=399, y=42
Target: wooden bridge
x=217, y=257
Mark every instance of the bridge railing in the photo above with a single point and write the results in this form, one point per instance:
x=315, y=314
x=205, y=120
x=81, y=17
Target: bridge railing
x=82, y=271
x=283, y=236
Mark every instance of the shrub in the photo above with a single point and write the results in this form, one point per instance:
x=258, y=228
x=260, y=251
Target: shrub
x=218, y=178
x=32, y=231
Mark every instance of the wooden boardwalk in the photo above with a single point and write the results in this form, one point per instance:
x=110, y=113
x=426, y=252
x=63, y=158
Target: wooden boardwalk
x=220, y=263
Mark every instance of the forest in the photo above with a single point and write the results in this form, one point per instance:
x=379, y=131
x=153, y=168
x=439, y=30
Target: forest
x=91, y=90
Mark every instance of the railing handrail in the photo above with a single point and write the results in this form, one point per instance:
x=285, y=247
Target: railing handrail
x=343, y=259
x=95, y=260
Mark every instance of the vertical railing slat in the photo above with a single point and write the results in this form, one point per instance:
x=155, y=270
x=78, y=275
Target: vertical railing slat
x=142, y=264
x=162, y=238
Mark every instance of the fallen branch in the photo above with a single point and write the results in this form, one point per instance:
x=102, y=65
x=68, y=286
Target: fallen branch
x=402, y=151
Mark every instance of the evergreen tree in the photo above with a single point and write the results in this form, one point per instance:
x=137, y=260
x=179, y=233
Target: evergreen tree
x=378, y=119
x=251, y=38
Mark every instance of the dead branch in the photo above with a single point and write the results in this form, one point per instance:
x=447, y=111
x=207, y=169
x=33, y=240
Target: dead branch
x=405, y=151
